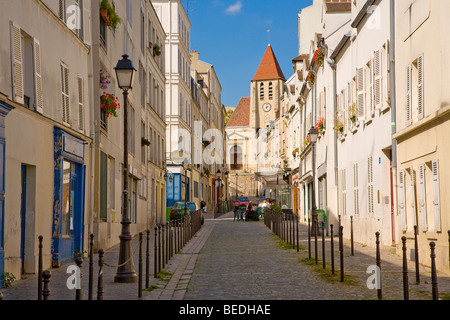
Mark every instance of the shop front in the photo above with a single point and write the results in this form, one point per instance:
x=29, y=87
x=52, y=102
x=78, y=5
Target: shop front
x=69, y=195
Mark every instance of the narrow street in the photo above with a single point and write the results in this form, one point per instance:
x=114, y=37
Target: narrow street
x=229, y=260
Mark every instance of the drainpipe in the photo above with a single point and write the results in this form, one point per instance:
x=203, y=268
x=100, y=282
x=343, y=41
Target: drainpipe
x=393, y=108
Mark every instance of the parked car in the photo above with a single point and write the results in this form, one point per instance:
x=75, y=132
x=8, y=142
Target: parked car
x=177, y=211
x=195, y=209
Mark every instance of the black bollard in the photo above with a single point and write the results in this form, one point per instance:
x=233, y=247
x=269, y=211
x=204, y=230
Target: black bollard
x=46, y=279
x=155, y=255
x=405, y=271
x=316, y=231
x=91, y=267
x=332, y=249
x=416, y=255
x=163, y=250
x=323, y=246
x=351, y=237
x=378, y=261
x=147, y=262
x=78, y=292
x=141, y=235
x=434, y=282
x=309, y=238
x=167, y=241
x=159, y=248
x=341, y=251
x=40, y=269
x=100, y=275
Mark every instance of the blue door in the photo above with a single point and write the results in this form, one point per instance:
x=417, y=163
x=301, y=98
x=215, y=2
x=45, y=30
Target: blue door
x=72, y=212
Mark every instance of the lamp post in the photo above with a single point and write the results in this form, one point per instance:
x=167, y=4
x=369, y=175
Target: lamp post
x=313, y=135
x=237, y=186
x=219, y=187
x=125, y=272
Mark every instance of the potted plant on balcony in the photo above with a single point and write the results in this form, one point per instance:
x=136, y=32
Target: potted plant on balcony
x=320, y=125
x=339, y=126
x=145, y=142
x=311, y=78
x=109, y=103
x=318, y=57
x=109, y=15
x=352, y=116
x=104, y=80
x=156, y=50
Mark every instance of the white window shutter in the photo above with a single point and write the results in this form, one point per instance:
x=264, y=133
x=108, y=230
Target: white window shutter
x=87, y=22
x=413, y=197
x=17, y=63
x=436, y=197
x=370, y=100
x=355, y=189
x=420, y=91
x=360, y=106
x=402, y=199
x=408, y=95
x=377, y=79
x=422, y=199
x=80, y=104
x=387, y=75
x=65, y=94
x=38, y=76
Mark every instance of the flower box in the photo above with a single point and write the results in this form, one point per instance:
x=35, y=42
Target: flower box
x=109, y=104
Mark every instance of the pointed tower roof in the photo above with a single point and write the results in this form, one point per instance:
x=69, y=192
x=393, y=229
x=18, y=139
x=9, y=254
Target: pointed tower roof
x=269, y=69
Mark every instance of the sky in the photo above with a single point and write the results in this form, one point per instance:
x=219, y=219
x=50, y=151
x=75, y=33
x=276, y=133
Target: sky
x=232, y=35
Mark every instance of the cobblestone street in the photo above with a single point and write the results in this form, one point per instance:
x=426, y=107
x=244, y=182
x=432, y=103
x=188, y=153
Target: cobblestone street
x=230, y=260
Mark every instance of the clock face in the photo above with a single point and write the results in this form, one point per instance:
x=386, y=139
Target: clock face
x=267, y=107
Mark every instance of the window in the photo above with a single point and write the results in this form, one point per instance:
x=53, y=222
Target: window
x=415, y=91
x=402, y=199
x=355, y=189
x=65, y=94
x=370, y=185
x=270, y=91
x=422, y=197
x=129, y=12
x=132, y=200
x=26, y=69
x=62, y=10
x=261, y=91
x=436, y=196
x=103, y=186
x=80, y=104
x=102, y=33
x=143, y=145
x=361, y=96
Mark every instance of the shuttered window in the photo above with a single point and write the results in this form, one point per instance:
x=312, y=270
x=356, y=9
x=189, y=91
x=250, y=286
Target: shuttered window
x=370, y=185
x=17, y=63
x=360, y=99
x=413, y=197
x=355, y=189
x=377, y=72
x=420, y=91
x=436, y=195
x=39, y=101
x=402, y=199
x=408, y=106
x=65, y=94
x=422, y=199
x=80, y=104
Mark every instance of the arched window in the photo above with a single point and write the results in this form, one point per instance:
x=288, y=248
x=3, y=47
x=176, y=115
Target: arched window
x=236, y=158
x=270, y=91
x=261, y=91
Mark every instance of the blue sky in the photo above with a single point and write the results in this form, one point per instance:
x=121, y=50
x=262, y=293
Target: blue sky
x=232, y=35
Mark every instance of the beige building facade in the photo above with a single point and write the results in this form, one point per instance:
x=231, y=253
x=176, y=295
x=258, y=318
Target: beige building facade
x=422, y=126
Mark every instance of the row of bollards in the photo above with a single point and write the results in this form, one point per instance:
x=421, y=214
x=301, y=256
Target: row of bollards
x=284, y=224
x=170, y=238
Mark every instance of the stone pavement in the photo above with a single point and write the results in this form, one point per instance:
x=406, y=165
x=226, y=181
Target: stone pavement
x=228, y=260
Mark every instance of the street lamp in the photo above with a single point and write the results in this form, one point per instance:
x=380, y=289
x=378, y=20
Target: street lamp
x=237, y=186
x=125, y=272
x=313, y=135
